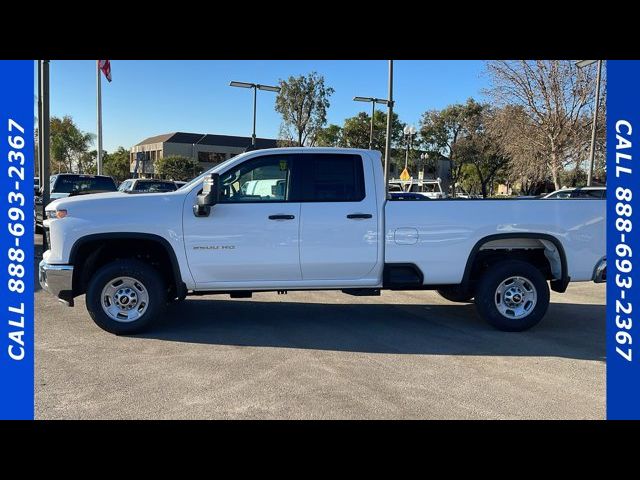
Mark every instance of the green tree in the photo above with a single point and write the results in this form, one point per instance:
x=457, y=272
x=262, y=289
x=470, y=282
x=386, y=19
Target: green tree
x=69, y=145
x=303, y=102
x=329, y=136
x=88, y=162
x=356, y=131
x=117, y=164
x=481, y=149
x=176, y=167
x=442, y=130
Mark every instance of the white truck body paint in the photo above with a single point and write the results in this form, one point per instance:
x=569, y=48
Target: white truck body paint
x=237, y=248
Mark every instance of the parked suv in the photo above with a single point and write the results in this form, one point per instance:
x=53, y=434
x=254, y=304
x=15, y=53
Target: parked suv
x=65, y=184
x=71, y=184
x=147, y=185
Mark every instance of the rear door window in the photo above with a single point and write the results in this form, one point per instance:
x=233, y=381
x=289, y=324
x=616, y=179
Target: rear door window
x=332, y=178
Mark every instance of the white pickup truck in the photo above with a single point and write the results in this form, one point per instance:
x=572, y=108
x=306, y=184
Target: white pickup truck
x=323, y=223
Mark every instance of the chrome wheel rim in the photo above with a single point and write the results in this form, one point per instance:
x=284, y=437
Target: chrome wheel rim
x=516, y=297
x=124, y=299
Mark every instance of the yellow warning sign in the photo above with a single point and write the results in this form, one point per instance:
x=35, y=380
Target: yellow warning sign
x=404, y=176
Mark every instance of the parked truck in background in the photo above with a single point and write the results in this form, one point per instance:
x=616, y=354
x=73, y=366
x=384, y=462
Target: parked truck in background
x=314, y=219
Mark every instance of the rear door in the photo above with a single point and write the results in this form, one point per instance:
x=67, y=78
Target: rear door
x=339, y=217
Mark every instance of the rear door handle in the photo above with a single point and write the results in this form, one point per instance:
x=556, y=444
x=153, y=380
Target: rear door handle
x=281, y=217
x=355, y=216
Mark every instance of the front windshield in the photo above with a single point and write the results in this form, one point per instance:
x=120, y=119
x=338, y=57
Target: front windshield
x=200, y=178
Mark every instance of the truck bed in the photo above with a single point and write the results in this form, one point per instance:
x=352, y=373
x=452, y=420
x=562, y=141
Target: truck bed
x=438, y=236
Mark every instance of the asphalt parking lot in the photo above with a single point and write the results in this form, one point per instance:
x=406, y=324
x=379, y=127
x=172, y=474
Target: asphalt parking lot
x=324, y=355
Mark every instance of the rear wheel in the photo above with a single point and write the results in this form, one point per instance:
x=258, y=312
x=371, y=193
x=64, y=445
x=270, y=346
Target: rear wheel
x=125, y=296
x=512, y=296
x=455, y=294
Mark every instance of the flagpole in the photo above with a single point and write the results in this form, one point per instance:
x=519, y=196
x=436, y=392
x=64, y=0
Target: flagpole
x=99, y=105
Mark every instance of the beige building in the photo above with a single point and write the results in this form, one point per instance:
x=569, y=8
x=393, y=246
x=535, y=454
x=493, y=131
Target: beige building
x=208, y=149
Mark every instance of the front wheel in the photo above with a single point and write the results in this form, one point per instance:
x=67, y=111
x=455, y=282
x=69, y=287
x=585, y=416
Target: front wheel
x=512, y=296
x=125, y=296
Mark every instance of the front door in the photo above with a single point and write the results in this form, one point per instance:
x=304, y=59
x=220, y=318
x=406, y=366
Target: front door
x=252, y=235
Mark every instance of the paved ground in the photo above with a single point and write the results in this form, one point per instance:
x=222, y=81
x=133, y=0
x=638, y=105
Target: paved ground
x=324, y=355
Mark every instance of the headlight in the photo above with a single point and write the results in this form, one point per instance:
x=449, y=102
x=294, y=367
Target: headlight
x=51, y=214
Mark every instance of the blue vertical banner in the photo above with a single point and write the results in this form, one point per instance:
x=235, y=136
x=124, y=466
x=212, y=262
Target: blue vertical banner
x=16, y=239
x=623, y=245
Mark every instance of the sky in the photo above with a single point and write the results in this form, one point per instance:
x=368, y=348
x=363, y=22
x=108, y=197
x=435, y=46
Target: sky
x=148, y=98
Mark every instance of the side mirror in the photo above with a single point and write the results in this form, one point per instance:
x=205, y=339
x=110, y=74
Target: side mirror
x=209, y=197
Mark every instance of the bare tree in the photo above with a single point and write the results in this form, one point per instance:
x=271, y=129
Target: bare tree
x=556, y=98
x=519, y=140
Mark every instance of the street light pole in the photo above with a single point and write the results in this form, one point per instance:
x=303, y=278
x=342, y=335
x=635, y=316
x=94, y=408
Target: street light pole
x=373, y=111
x=255, y=87
x=387, y=147
x=594, y=125
x=373, y=102
x=409, y=133
x=253, y=135
x=592, y=148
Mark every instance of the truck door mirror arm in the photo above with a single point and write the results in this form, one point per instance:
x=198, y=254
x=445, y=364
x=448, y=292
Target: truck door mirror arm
x=209, y=196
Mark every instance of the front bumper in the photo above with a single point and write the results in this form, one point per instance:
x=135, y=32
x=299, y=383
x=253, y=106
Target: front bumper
x=57, y=280
x=600, y=272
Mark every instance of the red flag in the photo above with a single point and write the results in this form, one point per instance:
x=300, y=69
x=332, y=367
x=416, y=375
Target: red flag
x=105, y=66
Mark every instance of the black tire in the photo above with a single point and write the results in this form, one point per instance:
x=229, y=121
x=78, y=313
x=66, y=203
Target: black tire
x=141, y=272
x=487, y=294
x=455, y=294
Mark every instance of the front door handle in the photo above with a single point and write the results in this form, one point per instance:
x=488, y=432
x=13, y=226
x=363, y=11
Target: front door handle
x=355, y=216
x=281, y=217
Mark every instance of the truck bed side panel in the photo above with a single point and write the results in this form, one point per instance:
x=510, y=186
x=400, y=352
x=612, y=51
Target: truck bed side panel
x=438, y=236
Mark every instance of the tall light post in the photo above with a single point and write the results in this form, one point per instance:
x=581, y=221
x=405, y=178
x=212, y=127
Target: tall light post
x=373, y=101
x=424, y=157
x=592, y=147
x=255, y=87
x=387, y=145
x=409, y=134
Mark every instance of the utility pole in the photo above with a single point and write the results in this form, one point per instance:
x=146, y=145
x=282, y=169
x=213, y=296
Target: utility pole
x=387, y=148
